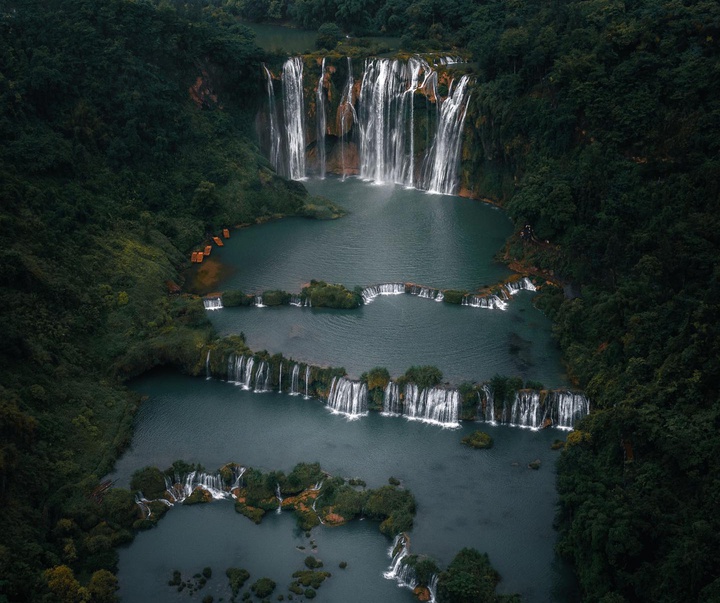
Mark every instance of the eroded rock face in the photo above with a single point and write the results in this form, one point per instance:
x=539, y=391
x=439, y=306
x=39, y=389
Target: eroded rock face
x=422, y=593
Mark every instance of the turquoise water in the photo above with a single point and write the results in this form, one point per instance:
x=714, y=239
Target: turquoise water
x=486, y=499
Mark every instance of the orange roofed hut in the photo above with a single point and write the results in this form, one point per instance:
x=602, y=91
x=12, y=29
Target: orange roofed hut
x=226, y=233
x=208, y=249
x=218, y=241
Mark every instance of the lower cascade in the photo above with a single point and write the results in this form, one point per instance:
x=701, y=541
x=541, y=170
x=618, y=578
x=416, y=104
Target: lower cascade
x=403, y=573
x=348, y=397
x=370, y=293
x=213, y=303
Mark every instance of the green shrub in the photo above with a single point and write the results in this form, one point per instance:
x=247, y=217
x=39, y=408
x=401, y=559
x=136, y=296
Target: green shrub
x=453, y=296
x=263, y=588
x=478, y=439
x=232, y=299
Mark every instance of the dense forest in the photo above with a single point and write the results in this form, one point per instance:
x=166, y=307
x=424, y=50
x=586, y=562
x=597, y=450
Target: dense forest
x=128, y=131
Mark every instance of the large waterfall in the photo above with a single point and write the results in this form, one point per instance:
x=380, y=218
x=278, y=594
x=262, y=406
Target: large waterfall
x=534, y=409
x=294, y=111
x=432, y=405
x=370, y=293
x=348, y=397
x=382, y=120
x=321, y=120
x=444, y=156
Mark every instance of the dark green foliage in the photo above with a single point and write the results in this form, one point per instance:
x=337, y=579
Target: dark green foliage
x=452, y=296
x=393, y=481
x=478, y=439
x=263, y=588
x=425, y=568
x=275, y=298
x=303, y=476
x=310, y=578
x=468, y=579
x=232, y=299
x=343, y=564
x=329, y=34
x=468, y=401
x=312, y=562
x=392, y=506
x=198, y=496
x=309, y=593
x=323, y=295
x=150, y=481
x=207, y=572
x=422, y=376
x=376, y=380
x=237, y=578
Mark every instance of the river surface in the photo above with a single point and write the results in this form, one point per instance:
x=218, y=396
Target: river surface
x=486, y=499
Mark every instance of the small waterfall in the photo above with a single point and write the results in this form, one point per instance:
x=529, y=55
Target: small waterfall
x=294, y=107
x=297, y=300
x=491, y=302
x=280, y=379
x=348, y=117
x=307, y=381
x=262, y=378
x=444, y=157
x=391, y=400
x=274, y=130
x=246, y=383
x=259, y=301
x=236, y=366
x=142, y=502
x=489, y=413
x=294, y=385
x=524, y=284
x=238, y=472
x=278, y=495
x=207, y=365
x=435, y=405
x=348, y=397
x=426, y=292
x=213, y=303
x=321, y=120
x=566, y=408
x=403, y=574
x=526, y=410
x=182, y=487
x=370, y=293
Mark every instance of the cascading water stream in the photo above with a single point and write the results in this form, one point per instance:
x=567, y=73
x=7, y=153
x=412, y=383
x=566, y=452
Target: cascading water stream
x=348, y=397
x=321, y=120
x=280, y=380
x=348, y=116
x=207, y=365
x=247, y=382
x=294, y=110
x=307, y=381
x=433, y=405
x=392, y=405
x=279, y=497
x=213, y=303
x=275, y=139
x=370, y=293
x=444, y=156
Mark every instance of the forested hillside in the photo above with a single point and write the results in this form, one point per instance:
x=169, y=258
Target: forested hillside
x=127, y=138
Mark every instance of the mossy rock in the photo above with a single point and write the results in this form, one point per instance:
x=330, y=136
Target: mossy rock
x=557, y=445
x=534, y=464
x=198, y=496
x=478, y=439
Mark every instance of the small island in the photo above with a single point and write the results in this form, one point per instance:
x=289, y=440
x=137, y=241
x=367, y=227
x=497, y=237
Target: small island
x=478, y=439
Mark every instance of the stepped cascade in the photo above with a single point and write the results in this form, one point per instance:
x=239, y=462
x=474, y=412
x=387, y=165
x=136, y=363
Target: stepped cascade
x=348, y=397
x=426, y=292
x=213, y=303
x=294, y=380
x=370, y=293
x=381, y=122
x=534, y=410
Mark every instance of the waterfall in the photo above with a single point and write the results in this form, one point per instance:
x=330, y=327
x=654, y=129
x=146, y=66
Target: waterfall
x=207, y=365
x=426, y=292
x=307, y=381
x=280, y=379
x=370, y=293
x=524, y=284
x=238, y=472
x=385, y=119
x=259, y=301
x=274, y=130
x=434, y=405
x=213, y=303
x=348, y=117
x=321, y=120
x=294, y=108
x=391, y=400
x=398, y=570
x=236, y=365
x=297, y=300
x=527, y=411
x=444, y=156
x=294, y=381
x=262, y=378
x=348, y=397
x=246, y=383
x=182, y=487
x=489, y=414
x=278, y=495
x=566, y=408
x=492, y=302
